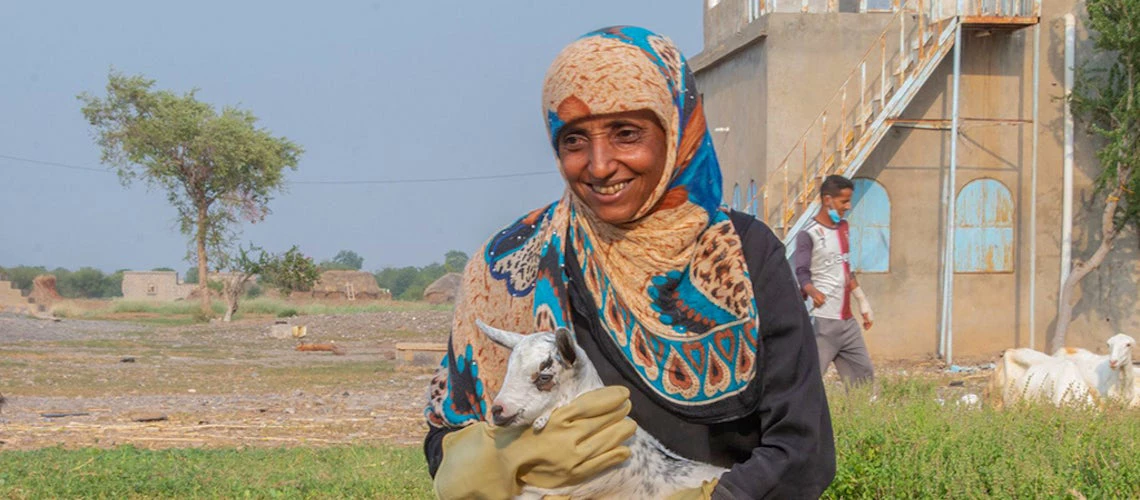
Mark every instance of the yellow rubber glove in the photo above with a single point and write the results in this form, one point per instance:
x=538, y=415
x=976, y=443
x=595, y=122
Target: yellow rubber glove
x=581, y=439
x=702, y=492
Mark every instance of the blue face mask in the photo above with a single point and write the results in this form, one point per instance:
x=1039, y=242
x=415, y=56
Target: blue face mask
x=834, y=214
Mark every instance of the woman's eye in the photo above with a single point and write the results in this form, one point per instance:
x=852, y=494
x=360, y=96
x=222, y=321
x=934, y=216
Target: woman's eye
x=628, y=134
x=573, y=141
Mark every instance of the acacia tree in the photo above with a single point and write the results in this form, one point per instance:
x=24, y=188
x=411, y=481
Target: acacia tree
x=216, y=168
x=454, y=261
x=346, y=260
x=1107, y=98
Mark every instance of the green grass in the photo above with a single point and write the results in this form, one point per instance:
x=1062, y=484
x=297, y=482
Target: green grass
x=128, y=472
x=905, y=445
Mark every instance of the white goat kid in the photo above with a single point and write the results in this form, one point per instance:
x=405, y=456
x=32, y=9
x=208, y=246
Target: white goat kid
x=1112, y=376
x=547, y=370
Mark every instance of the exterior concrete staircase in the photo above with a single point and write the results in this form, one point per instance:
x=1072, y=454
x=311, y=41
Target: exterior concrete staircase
x=878, y=89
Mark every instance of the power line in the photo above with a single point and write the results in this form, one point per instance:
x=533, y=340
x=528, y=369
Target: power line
x=333, y=182
x=438, y=179
x=54, y=164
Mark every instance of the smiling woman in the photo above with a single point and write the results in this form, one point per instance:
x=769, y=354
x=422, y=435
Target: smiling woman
x=662, y=289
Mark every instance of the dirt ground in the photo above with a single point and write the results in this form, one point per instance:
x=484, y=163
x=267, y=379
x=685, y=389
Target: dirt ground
x=76, y=383
x=216, y=384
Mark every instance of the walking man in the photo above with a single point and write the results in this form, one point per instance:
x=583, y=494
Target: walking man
x=824, y=274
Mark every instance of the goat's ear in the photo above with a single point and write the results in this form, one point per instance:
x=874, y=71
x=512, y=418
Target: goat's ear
x=501, y=337
x=566, y=344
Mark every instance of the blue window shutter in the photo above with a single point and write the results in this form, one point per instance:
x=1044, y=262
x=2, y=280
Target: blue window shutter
x=753, y=200
x=983, y=228
x=870, y=222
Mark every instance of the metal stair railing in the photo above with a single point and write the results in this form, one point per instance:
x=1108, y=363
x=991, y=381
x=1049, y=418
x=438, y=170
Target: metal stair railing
x=856, y=118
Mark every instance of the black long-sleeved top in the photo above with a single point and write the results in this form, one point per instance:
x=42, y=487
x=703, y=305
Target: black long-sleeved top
x=785, y=449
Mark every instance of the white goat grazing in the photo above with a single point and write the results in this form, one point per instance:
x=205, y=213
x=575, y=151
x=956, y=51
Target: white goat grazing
x=547, y=370
x=1010, y=372
x=1112, y=376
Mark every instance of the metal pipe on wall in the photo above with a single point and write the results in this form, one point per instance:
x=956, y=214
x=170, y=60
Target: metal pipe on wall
x=948, y=256
x=1067, y=192
x=1033, y=191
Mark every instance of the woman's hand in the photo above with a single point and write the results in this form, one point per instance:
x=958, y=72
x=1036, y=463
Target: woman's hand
x=581, y=440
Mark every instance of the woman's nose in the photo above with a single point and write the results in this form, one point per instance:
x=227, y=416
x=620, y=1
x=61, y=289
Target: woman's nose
x=602, y=162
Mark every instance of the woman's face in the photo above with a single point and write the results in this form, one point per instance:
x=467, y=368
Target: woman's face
x=613, y=162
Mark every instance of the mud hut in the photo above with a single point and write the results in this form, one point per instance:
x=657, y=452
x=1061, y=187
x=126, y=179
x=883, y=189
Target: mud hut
x=349, y=285
x=444, y=289
x=44, y=291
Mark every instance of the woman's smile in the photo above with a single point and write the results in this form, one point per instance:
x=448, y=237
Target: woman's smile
x=610, y=190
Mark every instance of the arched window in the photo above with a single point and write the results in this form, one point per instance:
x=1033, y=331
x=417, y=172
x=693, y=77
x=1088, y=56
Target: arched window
x=983, y=228
x=753, y=208
x=735, y=197
x=870, y=222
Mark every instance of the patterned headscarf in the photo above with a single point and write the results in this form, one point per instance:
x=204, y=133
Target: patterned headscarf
x=672, y=289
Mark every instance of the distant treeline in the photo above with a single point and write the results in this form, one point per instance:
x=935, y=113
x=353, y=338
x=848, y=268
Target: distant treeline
x=408, y=283
x=84, y=283
x=405, y=283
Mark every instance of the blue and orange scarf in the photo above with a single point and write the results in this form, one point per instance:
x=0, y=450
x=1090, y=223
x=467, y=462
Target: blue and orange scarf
x=672, y=289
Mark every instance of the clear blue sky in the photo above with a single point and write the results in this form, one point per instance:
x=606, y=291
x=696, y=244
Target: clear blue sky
x=378, y=90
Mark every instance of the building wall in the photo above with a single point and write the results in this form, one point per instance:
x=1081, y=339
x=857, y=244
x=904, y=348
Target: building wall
x=723, y=20
x=739, y=132
x=810, y=56
x=154, y=285
x=767, y=92
x=991, y=309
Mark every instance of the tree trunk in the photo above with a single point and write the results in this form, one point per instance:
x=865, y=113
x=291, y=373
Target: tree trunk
x=231, y=307
x=203, y=277
x=231, y=290
x=1108, y=232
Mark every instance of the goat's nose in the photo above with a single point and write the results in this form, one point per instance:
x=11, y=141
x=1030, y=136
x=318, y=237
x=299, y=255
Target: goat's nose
x=497, y=411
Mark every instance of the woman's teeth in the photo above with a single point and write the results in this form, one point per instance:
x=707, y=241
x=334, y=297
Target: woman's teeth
x=613, y=189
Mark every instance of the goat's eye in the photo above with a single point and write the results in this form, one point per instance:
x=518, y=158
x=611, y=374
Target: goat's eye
x=544, y=381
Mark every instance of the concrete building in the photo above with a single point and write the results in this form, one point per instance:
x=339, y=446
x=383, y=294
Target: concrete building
x=794, y=91
x=155, y=285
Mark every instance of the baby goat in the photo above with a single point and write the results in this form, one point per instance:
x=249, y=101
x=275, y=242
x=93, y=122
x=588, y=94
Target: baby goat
x=547, y=370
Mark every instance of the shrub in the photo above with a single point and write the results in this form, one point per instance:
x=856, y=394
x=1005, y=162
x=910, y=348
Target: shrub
x=907, y=445
x=289, y=271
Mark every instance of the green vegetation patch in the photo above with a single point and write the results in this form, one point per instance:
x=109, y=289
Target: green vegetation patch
x=128, y=472
x=905, y=444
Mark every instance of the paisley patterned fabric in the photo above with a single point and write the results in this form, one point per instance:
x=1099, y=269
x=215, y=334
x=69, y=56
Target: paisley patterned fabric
x=671, y=287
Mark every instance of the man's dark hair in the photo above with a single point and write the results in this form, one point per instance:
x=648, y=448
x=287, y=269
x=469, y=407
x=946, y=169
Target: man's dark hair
x=834, y=184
